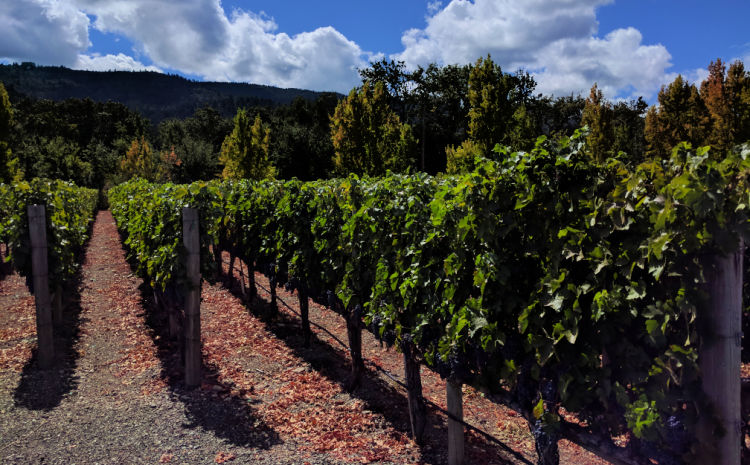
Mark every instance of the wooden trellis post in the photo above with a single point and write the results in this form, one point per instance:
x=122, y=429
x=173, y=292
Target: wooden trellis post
x=455, y=428
x=417, y=407
x=190, y=237
x=40, y=275
x=719, y=358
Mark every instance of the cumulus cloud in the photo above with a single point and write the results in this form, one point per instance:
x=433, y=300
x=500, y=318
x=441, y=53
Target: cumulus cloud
x=555, y=39
x=618, y=63
x=195, y=37
x=109, y=62
x=43, y=31
x=199, y=38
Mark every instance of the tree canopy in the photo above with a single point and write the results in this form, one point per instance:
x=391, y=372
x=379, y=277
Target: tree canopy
x=8, y=164
x=368, y=136
x=244, y=152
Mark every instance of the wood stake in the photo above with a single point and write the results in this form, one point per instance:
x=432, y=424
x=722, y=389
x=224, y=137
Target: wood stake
x=455, y=429
x=39, y=272
x=719, y=360
x=354, y=335
x=190, y=236
x=417, y=407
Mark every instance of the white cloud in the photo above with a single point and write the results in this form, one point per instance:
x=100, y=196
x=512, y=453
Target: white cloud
x=619, y=63
x=199, y=38
x=109, y=62
x=43, y=31
x=555, y=39
x=434, y=6
x=196, y=37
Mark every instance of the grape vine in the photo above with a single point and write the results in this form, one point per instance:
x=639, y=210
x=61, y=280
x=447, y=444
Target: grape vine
x=69, y=213
x=565, y=283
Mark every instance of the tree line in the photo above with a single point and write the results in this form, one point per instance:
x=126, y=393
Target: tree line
x=433, y=119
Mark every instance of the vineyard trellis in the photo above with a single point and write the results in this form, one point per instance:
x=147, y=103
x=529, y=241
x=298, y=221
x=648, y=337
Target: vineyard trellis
x=45, y=224
x=543, y=279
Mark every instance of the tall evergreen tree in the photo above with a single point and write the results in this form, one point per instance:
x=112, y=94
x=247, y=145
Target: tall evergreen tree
x=727, y=97
x=597, y=115
x=244, y=152
x=738, y=94
x=682, y=116
x=491, y=107
x=714, y=93
x=9, y=170
x=139, y=161
x=368, y=136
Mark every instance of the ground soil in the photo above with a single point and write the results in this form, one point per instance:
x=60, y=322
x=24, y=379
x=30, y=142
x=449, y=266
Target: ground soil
x=117, y=393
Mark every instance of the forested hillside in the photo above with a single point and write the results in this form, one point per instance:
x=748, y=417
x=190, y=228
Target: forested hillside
x=156, y=96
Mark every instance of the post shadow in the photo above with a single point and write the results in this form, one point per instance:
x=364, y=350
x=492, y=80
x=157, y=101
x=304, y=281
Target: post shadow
x=41, y=389
x=228, y=415
x=378, y=395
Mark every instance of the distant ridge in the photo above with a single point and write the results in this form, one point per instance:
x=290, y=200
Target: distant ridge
x=156, y=96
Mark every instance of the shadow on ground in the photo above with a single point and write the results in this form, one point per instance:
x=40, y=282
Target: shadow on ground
x=44, y=389
x=212, y=406
x=378, y=395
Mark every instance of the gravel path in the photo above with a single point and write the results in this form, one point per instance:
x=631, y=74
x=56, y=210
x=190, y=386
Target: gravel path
x=109, y=401
x=117, y=395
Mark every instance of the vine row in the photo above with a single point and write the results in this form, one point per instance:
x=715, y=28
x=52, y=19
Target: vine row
x=69, y=210
x=558, y=284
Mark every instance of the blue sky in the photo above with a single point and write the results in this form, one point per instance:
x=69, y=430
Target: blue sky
x=630, y=48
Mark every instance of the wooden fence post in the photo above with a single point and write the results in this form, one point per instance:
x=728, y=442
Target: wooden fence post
x=719, y=360
x=455, y=428
x=39, y=272
x=417, y=407
x=190, y=237
x=354, y=336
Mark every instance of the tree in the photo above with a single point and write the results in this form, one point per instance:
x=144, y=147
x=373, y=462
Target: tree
x=491, y=106
x=169, y=163
x=727, y=97
x=738, y=92
x=368, y=137
x=443, y=95
x=244, y=152
x=301, y=147
x=462, y=159
x=628, y=126
x=139, y=161
x=597, y=116
x=396, y=82
x=196, y=143
x=682, y=116
x=9, y=169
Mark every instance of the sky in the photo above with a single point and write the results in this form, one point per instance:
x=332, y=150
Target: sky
x=630, y=48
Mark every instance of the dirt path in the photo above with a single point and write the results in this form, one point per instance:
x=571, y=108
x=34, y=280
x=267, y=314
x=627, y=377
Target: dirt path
x=116, y=396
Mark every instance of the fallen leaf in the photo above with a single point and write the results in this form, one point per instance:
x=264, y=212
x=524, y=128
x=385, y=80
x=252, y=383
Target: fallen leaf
x=223, y=457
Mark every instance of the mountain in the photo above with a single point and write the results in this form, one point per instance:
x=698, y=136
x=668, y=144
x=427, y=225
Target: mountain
x=156, y=96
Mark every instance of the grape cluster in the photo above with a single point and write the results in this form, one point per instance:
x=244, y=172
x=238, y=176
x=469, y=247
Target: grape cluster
x=291, y=284
x=675, y=434
x=388, y=336
x=545, y=443
x=453, y=366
